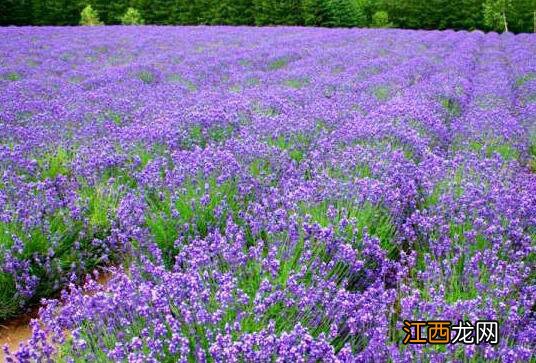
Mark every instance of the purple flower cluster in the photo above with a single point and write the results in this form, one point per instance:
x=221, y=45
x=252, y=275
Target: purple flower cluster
x=273, y=194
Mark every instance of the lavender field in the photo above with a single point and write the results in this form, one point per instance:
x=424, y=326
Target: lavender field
x=266, y=194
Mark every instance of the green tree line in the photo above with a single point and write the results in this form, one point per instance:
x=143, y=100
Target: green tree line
x=513, y=15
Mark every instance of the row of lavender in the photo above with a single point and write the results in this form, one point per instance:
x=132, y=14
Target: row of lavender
x=271, y=193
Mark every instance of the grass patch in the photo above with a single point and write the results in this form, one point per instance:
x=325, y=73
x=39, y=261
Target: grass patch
x=530, y=98
x=196, y=205
x=235, y=88
x=33, y=63
x=259, y=168
x=452, y=106
x=367, y=72
x=389, y=143
x=278, y=63
x=253, y=81
x=262, y=170
x=146, y=77
x=199, y=136
x=296, y=83
x=101, y=203
x=373, y=219
x=10, y=303
x=532, y=152
x=177, y=78
x=296, y=145
x=246, y=63
x=520, y=81
x=110, y=115
x=55, y=163
x=358, y=171
x=495, y=146
x=382, y=93
x=11, y=76
x=262, y=110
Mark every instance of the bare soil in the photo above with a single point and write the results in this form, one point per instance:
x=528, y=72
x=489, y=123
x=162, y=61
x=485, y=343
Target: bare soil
x=17, y=330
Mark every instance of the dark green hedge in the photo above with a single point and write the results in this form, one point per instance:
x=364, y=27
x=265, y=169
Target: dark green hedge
x=416, y=14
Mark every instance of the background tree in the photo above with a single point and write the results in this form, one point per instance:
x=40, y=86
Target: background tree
x=495, y=14
x=117, y=9
x=103, y=9
x=15, y=12
x=264, y=12
x=63, y=12
x=380, y=19
x=521, y=16
x=201, y=11
x=289, y=12
x=414, y=14
x=346, y=13
x=316, y=12
x=132, y=17
x=89, y=17
x=180, y=13
x=464, y=14
x=233, y=12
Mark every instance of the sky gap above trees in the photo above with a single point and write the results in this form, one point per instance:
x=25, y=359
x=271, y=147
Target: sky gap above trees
x=520, y=15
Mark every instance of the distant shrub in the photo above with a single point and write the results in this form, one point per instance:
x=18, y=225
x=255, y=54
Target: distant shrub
x=11, y=76
x=494, y=12
x=278, y=64
x=380, y=19
x=132, y=17
x=88, y=16
x=382, y=92
x=146, y=76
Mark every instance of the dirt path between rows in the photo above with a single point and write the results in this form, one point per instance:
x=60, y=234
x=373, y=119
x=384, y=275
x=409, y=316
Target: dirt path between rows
x=16, y=331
